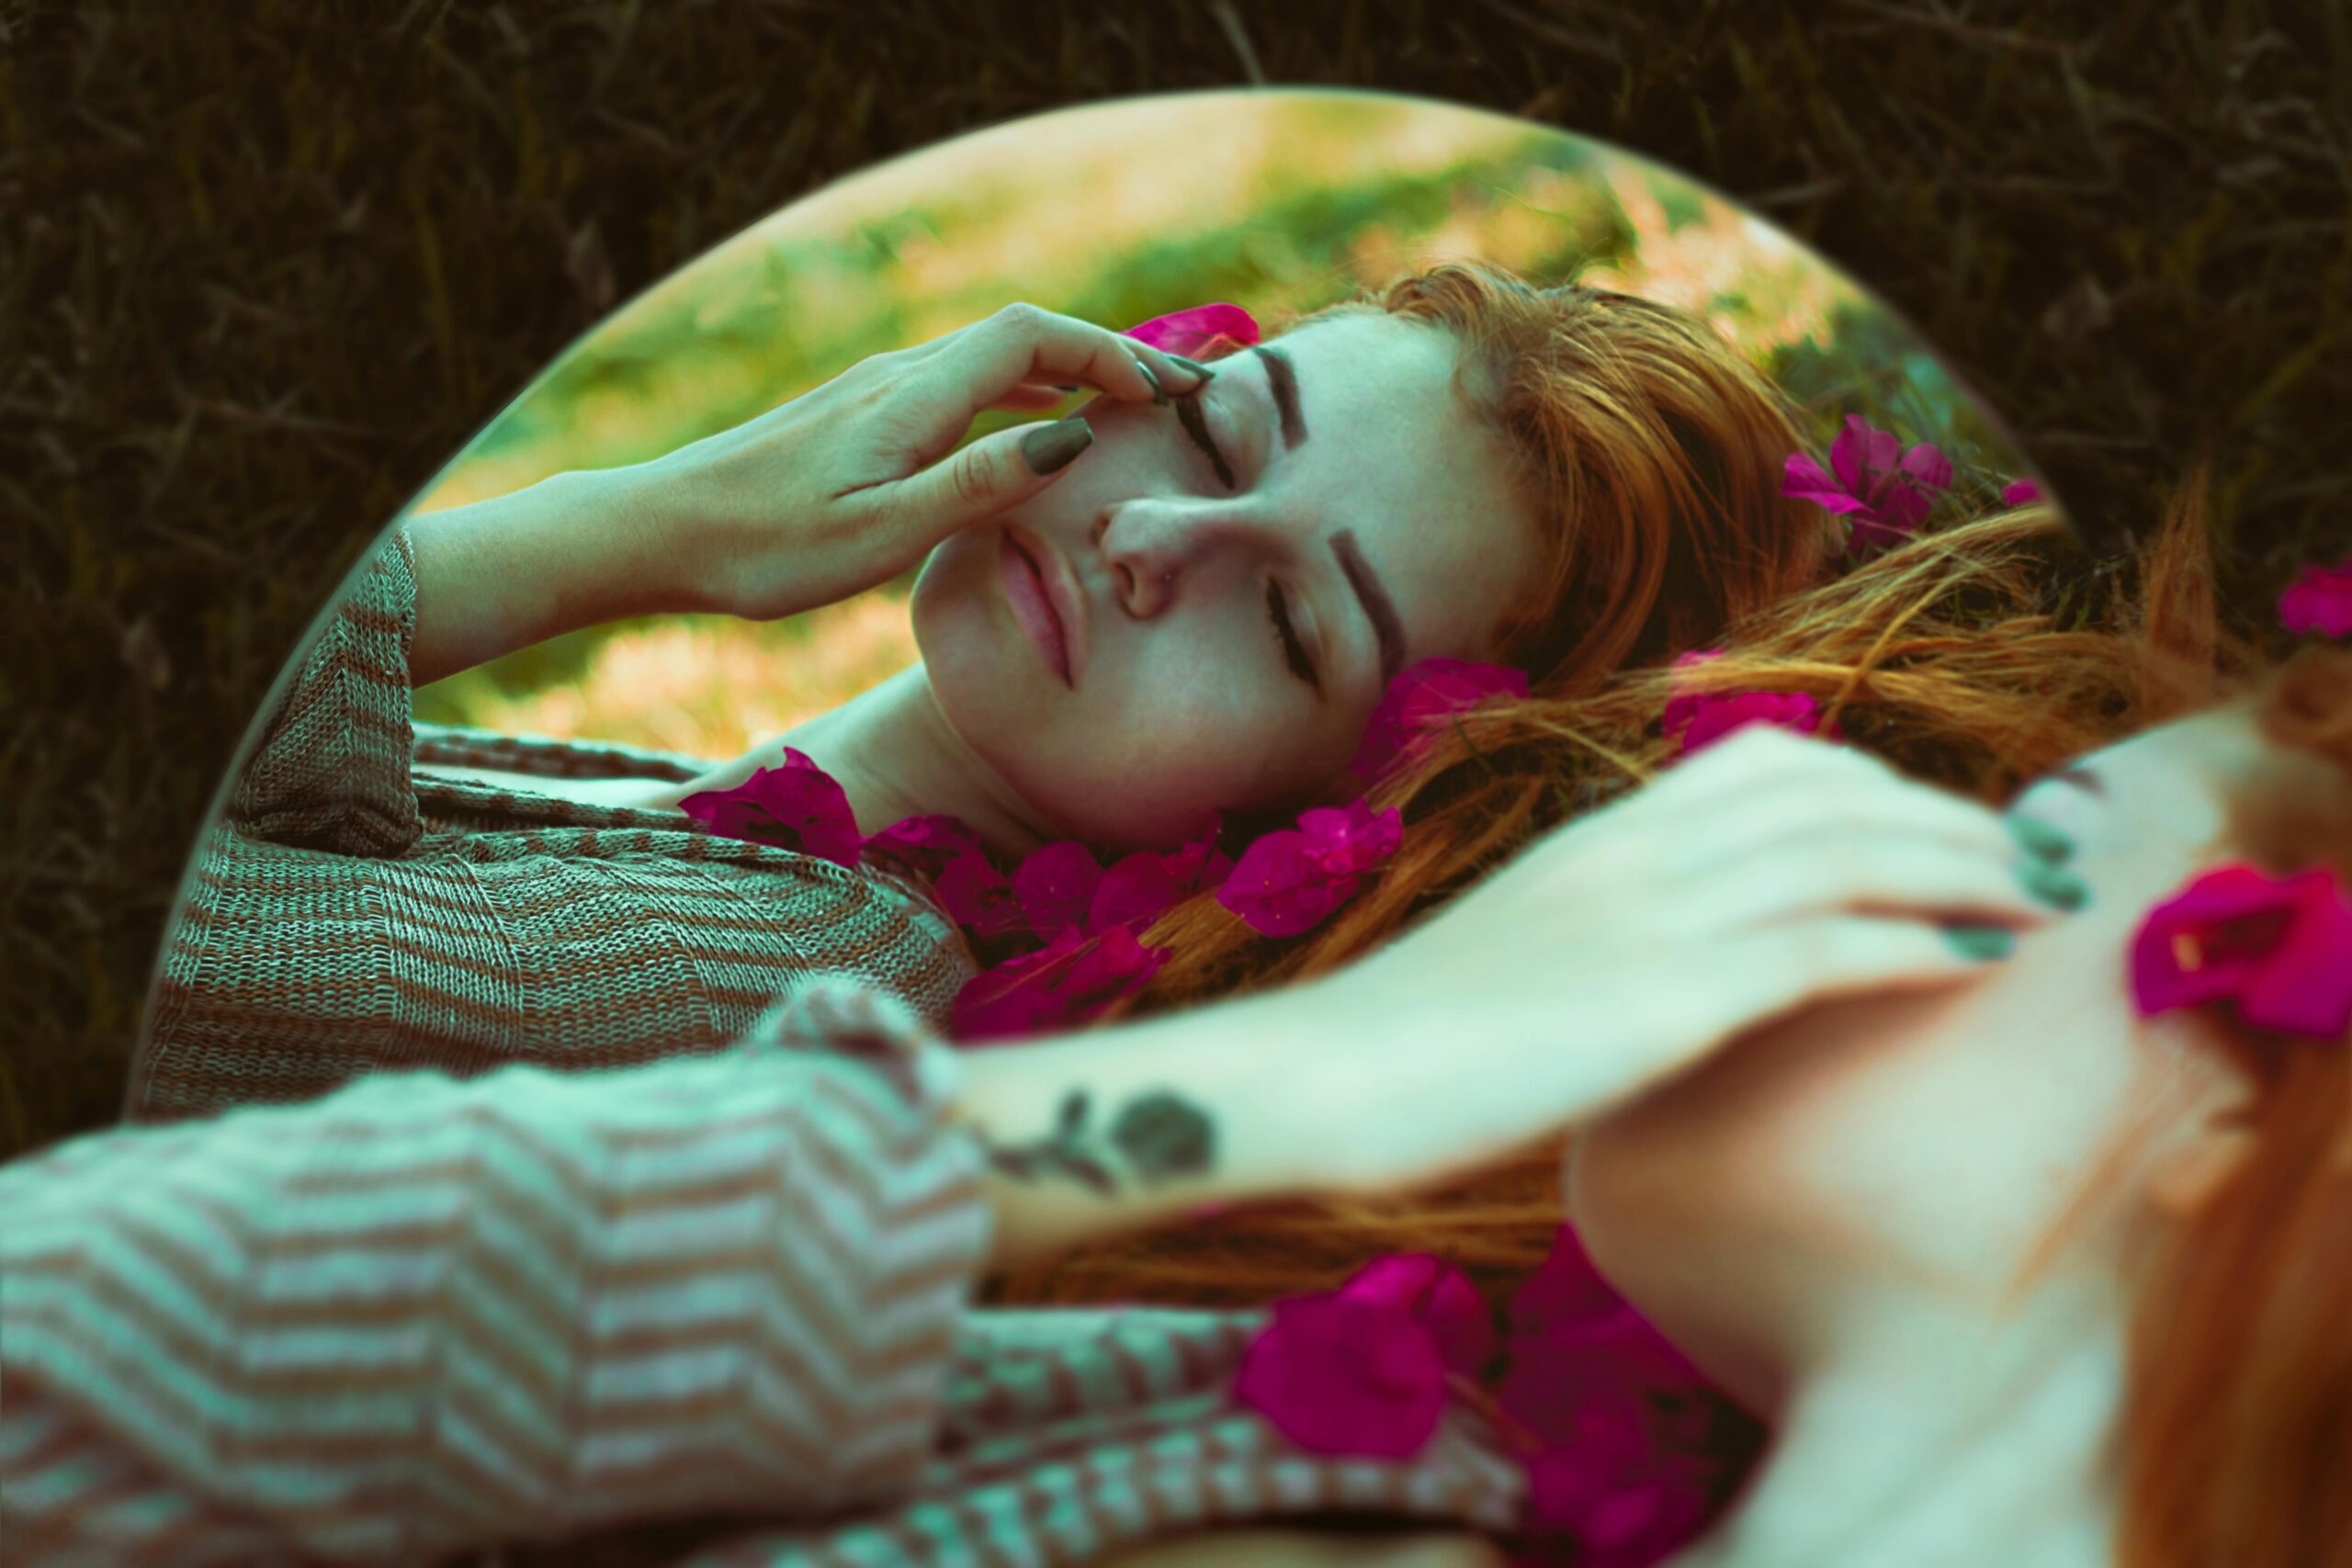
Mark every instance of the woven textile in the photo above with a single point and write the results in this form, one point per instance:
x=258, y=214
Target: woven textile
x=709, y=1311
x=351, y=915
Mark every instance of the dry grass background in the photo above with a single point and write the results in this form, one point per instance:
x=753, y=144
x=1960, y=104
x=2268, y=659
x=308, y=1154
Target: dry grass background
x=263, y=268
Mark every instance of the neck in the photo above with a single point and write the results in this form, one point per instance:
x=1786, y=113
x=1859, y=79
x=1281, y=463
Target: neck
x=892, y=753
x=1941, y=1442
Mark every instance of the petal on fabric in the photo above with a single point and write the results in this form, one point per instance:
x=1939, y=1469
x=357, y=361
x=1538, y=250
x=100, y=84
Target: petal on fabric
x=797, y=806
x=2319, y=601
x=2020, y=492
x=928, y=843
x=1189, y=332
x=1342, y=1375
x=1280, y=888
x=1055, y=886
x=1441, y=1296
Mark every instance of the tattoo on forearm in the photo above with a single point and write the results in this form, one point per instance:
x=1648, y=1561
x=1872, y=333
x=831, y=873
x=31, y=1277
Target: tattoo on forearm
x=1154, y=1137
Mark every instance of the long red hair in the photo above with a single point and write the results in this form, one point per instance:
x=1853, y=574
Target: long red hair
x=2238, y=1420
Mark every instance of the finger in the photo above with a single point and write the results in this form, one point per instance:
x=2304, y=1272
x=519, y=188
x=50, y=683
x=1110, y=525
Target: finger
x=1030, y=399
x=1778, y=969
x=1836, y=869
x=1810, y=797
x=980, y=480
x=1026, y=342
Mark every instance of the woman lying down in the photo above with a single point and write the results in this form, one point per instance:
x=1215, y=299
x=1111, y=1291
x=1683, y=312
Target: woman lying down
x=1996, y=1161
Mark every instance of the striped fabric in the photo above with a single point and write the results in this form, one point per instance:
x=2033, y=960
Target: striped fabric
x=709, y=1311
x=351, y=915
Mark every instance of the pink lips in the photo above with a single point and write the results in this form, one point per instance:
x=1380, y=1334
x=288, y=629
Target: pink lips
x=1024, y=590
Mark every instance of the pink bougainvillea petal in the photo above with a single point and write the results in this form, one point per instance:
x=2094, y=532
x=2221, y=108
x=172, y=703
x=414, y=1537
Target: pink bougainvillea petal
x=2319, y=601
x=1608, y=1509
x=1928, y=468
x=2281, y=948
x=1189, y=332
x=1422, y=697
x=1802, y=480
x=2020, y=492
x=1062, y=985
x=1725, y=716
x=928, y=843
x=980, y=898
x=1280, y=888
x=1056, y=885
x=1885, y=490
x=1441, y=1296
x=1565, y=1288
x=1351, y=840
x=1346, y=1375
x=796, y=806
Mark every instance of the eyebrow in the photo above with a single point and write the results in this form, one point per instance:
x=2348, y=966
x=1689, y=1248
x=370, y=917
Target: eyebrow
x=1376, y=604
x=1281, y=379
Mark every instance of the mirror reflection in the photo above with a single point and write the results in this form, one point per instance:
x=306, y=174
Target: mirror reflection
x=1402, y=746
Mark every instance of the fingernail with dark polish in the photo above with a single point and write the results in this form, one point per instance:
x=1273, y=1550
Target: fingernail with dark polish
x=1159, y=393
x=2059, y=889
x=1051, y=447
x=1203, y=371
x=2041, y=838
x=1981, y=943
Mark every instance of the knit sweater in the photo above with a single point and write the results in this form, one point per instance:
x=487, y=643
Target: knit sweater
x=581, y=1268
x=352, y=914
x=707, y=1311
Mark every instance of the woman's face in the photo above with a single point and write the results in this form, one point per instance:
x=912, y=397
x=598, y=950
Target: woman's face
x=1920, y=1147
x=1227, y=635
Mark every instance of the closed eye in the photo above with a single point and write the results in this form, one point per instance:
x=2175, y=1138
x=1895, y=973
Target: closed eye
x=1196, y=425
x=1294, y=651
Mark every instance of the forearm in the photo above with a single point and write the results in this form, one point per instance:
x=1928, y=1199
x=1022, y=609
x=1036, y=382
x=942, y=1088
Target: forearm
x=1132, y=1126
x=574, y=550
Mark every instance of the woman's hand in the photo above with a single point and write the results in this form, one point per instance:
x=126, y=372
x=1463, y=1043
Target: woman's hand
x=843, y=487
x=1769, y=872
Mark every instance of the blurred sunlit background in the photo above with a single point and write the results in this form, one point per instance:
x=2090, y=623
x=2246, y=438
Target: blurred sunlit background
x=1281, y=202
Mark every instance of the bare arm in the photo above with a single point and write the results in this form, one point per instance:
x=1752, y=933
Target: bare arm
x=1122, y=1129
x=573, y=550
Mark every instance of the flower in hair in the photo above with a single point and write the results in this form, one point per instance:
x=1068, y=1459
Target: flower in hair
x=1883, y=488
x=796, y=806
x=2279, y=949
x=1291, y=879
x=1362, y=1370
x=2020, y=492
x=2319, y=600
x=1701, y=718
x=1424, y=697
x=1203, y=330
x=1072, y=978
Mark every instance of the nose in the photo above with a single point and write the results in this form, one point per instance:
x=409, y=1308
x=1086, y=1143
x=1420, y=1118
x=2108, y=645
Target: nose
x=1158, y=551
